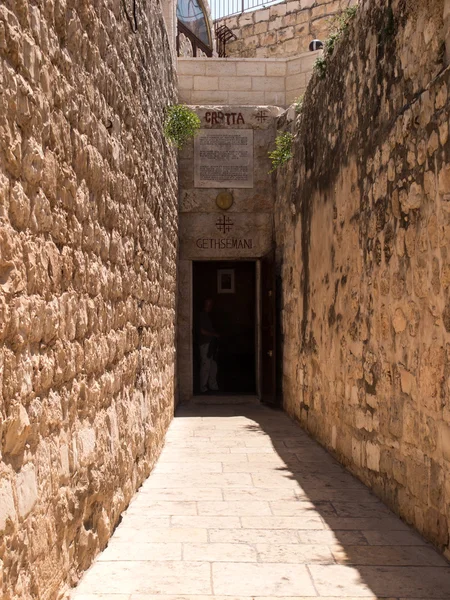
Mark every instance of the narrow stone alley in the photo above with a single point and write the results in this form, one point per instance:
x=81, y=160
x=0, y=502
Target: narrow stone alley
x=243, y=504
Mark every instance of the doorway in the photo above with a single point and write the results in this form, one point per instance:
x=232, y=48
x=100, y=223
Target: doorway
x=231, y=285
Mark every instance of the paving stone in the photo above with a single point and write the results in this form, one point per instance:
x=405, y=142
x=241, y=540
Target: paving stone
x=189, y=467
x=416, y=582
x=238, y=508
x=242, y=494
x=220, y=552
x=204, y=522
x=152, y=577
x=188, y=494
x=292, y=508
x=258, y=534
x=294, y=553
x=332, y=538
x=253, y=536
x=367, y=524
x=393, y=538
x=271, y=580
x=296, y=523
x=389, y=556
x=146, y=502
x=143, y=551
x=163, y=535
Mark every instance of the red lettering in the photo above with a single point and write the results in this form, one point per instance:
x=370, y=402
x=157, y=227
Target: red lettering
x=214, y=118
x=208, y=117
x=220, y=115
x=240, y=119
x=234, y=117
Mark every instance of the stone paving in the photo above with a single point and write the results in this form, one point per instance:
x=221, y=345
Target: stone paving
x=243, y=504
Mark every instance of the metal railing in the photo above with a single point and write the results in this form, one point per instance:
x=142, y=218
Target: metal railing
x=226, y=8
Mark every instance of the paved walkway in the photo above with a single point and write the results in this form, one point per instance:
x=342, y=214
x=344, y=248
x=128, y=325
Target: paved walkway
x=243, y=504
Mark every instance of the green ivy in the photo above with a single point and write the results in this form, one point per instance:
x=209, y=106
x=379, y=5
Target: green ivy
x=339, y=27
x=283, y=150
x=343, y=19
x=181, y=124
x=320, y=67
x=298, y=104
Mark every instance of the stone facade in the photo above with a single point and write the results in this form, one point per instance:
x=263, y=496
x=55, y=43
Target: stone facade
x=284, y=29
x=251, y=213
x=88, y=245
x=363, y=237
x=245, y=81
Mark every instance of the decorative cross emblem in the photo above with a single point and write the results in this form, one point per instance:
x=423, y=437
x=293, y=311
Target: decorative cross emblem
x=224, y=224
x=261, y=116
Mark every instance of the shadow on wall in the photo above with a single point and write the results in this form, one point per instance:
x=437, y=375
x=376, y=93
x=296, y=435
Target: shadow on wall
x=354, y=545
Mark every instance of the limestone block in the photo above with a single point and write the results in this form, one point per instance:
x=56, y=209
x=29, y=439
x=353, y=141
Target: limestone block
x=256, y=68
x=268, y=84
x=246, y=18
x=373, y=454
x=7, y=508
x=17, y=429
x=221, y=68
x=26, y=489
x=274, y=69
x=277, y=10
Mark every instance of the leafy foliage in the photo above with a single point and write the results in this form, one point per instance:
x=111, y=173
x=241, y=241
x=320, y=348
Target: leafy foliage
x=283, y=150
x=343, y=19
x=181, y=124
x=299, y=104
x=339, y=27
x=320, y=67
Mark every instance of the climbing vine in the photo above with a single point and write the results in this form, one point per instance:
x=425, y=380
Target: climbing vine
x=283, y=150
x=298, y=104
x=339, y=28
x=181, y=124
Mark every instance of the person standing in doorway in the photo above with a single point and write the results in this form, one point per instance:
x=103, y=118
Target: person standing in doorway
x=208, y=349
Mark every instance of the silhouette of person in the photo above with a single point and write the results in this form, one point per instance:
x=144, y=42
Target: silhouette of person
x=208, y=345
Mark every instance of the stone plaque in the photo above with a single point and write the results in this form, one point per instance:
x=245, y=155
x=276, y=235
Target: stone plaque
x=223, y=158
x=225, y=235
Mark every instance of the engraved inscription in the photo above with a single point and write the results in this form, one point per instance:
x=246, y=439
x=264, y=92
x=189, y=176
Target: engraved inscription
x=223, y=159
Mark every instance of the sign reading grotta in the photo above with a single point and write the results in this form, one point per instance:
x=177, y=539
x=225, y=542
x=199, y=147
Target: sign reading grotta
x=223, y=158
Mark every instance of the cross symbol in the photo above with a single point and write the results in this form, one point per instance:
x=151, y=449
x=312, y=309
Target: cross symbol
x=224, y=224
x=261, y=116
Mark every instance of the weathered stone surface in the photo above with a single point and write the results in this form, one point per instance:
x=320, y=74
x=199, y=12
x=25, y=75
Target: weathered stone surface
x=7, y=508
x=285, y=29
x=364, y=259
x=88, y=245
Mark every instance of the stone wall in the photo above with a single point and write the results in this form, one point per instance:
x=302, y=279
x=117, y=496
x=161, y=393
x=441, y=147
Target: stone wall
x=284, y=29
x=251, y=81
x=363, y=234
x=88, y=244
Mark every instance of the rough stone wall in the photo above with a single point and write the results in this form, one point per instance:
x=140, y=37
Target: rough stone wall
x=363, y=233
x=281, y=30
x=88, y=243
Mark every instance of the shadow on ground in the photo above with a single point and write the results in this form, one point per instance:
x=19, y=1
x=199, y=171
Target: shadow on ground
x=374, y=554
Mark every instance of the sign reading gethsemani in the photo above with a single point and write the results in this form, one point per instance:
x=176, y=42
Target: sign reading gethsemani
x=223, y=158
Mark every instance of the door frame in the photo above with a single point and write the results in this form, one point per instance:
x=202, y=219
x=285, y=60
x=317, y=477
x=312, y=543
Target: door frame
x=187, y=391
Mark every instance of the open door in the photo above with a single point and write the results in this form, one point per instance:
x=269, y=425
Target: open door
x=268, y=330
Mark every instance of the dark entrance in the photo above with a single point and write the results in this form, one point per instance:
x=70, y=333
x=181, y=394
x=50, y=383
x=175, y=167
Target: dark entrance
x=232, y=287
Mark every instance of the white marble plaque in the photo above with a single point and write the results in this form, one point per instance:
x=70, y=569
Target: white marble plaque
x=223, y=158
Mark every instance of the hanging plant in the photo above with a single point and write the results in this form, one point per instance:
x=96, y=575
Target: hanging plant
x=181, y=124
x=283, y=150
